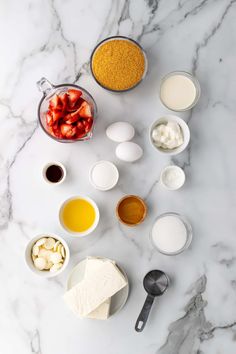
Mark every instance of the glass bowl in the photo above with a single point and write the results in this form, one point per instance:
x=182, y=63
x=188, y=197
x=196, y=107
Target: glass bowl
x=188, y=230
x=49, y=90
x=190, y=77
x=124, y=39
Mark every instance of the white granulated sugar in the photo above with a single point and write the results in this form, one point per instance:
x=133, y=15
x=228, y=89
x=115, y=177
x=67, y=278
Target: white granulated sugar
x=104, y=175
x=169, y=234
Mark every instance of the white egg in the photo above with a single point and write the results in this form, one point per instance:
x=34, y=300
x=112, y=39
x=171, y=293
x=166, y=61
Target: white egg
x=120, y=132
x=129, y=151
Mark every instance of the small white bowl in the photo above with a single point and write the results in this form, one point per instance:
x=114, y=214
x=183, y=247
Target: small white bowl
x=181, y=177
x=92, y=228
x=185, y=130
x=111, y=183
x=29, y=261
x=50, y=164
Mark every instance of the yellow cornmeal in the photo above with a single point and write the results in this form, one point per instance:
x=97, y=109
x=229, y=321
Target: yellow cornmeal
x=118, y=64
x=78, y=215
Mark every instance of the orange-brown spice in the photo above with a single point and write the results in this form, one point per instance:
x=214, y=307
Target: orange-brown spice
x=118, y=64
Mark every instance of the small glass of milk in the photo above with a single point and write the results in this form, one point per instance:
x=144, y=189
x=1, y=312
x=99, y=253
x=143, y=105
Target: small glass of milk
x=171, y=234
x=179, y=91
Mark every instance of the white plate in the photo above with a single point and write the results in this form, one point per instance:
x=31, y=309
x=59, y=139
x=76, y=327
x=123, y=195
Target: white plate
x=117, y=301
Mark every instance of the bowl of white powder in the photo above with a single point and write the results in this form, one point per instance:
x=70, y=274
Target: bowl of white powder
x=171, y=234
x=172, y=177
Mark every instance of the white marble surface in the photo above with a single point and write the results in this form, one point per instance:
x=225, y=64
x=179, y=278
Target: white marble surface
x=54, y=39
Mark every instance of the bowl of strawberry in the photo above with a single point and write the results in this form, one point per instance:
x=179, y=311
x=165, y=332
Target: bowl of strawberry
x=66, y=112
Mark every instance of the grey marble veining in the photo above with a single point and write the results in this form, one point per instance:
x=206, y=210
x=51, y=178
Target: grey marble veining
x=54, y=39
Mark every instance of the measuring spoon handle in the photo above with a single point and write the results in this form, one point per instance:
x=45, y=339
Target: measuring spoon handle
x=143, y=316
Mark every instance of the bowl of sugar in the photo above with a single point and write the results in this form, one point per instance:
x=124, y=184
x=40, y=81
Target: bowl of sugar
x=103, y=175
x=171, y=234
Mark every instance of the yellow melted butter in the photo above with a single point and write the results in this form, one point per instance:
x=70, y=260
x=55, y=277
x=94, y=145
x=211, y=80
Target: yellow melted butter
x=78, y=215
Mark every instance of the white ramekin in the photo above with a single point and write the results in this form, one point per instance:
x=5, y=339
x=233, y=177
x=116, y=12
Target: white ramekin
x=185, y=130
x=111, y=185
x=92, y=228
x=181, y=182
x=29, y=260
x=50, y=164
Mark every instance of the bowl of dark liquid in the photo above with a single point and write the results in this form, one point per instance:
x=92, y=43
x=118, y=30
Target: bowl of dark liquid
x=54, y=173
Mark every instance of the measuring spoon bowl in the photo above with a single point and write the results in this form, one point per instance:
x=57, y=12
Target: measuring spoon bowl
x=155, y=283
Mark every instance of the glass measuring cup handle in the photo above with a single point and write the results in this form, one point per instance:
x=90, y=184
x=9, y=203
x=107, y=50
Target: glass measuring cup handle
x=143, y=316
x=45, y=86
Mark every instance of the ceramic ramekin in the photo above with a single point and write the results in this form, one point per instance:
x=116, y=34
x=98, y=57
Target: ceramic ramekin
x=50, y=164
x=29, y=260
x=184, y=128
x=111, y=184
x=181, y=180
x=88, y=231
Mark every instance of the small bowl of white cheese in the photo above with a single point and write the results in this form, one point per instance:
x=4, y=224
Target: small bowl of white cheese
x=169, y=135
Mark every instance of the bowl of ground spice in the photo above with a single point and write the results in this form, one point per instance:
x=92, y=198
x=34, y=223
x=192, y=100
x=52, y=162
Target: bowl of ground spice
x=118, y=64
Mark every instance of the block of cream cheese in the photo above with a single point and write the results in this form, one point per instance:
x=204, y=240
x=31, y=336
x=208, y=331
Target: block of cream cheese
x=92, y=291
x=102, y=311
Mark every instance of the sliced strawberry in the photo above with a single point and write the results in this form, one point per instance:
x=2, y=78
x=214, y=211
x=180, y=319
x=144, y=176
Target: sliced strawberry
x=85, y=110
x=65, y=128
x=58, y=134
x=68, y=131
x=88, y=126
x=55, y=131
x=56, y=115
x=50, y=130
x=75, y=106
x=55, y=102
x=64, y=100
x=49, y=119
x=74, y=95
x=90, y=120
x=72, y=117
x=80, y=135
x=80, y=125
x=69, y=119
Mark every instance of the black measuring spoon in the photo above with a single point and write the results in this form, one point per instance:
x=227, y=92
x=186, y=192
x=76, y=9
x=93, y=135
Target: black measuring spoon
x=155, y=283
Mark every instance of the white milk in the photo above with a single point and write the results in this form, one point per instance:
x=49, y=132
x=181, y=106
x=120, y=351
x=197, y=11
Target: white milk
x=169, y=234
x=178, y=92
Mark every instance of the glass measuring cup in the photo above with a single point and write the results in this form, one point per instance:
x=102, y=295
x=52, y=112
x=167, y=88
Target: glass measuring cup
x=49, y=90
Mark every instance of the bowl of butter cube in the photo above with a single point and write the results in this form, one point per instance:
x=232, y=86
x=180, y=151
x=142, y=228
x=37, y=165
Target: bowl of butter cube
x=47, y=255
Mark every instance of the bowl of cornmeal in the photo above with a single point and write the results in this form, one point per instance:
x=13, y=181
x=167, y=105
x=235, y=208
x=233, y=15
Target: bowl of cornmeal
x=118, y=64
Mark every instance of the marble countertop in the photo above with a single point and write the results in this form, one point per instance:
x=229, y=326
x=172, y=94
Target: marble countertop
x=54, y=39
